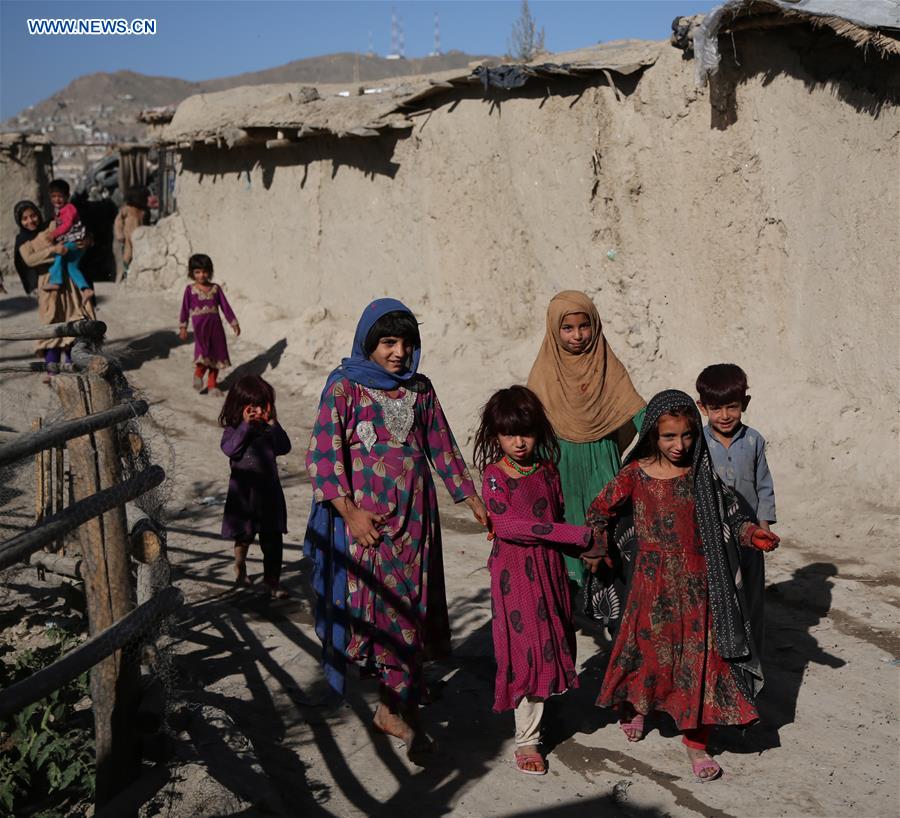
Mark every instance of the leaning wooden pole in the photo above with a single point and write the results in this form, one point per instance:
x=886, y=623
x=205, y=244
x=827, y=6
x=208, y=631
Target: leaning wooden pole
x=94, y=463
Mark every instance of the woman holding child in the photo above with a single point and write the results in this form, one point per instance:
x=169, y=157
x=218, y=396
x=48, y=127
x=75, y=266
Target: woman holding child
x=374, y=533
x=594, y=409
x=34, y=253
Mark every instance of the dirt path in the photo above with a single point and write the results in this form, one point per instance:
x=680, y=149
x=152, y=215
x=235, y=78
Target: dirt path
x=264, y=739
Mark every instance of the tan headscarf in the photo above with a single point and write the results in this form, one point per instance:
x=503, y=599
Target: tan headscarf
x=587, y=396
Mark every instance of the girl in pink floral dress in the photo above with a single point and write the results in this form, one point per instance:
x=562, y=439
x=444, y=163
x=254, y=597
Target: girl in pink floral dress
x=534, y=640
x=374, y=534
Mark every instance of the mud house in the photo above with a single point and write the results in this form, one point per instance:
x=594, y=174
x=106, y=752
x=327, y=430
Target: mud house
x=747, y=216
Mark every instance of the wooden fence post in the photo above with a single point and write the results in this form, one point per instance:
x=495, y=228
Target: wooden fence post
x=38, y=477
x=95, y=465
x=59, y=482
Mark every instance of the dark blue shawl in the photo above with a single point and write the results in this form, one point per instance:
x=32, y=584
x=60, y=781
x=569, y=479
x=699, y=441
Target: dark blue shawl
x=326, y=535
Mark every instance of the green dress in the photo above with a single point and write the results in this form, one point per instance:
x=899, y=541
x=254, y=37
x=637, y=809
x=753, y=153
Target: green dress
x=584, y=469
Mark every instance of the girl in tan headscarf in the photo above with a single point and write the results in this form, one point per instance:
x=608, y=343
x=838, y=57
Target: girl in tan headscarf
x=590, y=400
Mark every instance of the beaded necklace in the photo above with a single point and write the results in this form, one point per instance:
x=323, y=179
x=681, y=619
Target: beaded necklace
x=516, y=467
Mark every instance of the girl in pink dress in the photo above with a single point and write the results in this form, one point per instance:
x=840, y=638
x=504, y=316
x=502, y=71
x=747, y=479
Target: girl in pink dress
x=534, y=641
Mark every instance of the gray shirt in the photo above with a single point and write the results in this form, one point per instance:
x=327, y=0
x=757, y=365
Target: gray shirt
x=743, y=467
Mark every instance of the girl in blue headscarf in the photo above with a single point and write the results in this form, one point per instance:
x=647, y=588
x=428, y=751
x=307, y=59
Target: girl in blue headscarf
x=374, y=535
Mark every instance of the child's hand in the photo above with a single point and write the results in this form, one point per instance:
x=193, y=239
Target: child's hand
x=478, y=510
x=268, y=414
x=764, y=540
x=595, y=557
x=60, y=249
x=365, y=527
x=236, y=327
x=252, y=414
x=182, y=333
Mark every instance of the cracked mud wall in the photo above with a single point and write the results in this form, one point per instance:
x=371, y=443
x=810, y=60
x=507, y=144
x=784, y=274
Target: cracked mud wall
x=767, y=237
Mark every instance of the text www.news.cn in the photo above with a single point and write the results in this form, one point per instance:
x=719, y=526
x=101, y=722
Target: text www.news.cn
x=91, y=26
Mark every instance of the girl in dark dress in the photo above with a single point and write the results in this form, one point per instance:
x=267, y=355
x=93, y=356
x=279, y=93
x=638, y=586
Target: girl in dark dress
x=684, y=646
x=255, y=504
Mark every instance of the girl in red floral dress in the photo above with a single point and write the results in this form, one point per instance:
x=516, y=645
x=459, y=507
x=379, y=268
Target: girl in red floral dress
x=684, y=645
x=534, y=641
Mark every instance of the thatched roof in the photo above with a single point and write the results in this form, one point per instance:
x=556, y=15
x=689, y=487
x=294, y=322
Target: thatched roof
x=160, y=115
x=11, y=141
x=284, y=113
x=867, y=23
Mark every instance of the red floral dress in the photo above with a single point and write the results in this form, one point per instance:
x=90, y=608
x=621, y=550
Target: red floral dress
x=665, y=656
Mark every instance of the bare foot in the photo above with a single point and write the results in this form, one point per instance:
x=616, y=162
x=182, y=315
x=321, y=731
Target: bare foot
x=394, y=725
x=240, y=576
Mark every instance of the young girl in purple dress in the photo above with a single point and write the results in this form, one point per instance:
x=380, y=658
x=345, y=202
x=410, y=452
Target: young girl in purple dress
x=255, y=504
x=534, y=640
x=201, y=303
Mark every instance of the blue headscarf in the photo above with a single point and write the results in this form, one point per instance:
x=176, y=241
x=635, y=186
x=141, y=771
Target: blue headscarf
x=358, y=368
x=326, y=542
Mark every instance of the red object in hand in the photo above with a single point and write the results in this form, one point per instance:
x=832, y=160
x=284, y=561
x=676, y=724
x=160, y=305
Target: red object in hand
x=764, y=540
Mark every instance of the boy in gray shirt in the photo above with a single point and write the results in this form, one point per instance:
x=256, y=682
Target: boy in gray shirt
x=739, y=457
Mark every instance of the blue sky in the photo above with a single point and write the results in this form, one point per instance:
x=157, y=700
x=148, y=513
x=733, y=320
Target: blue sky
x=203, y=39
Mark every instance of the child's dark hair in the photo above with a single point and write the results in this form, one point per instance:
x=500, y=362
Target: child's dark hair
x=722, y=383
x=396, y=324
x=649, y=446
x=59, y=186
x=514, y=411
x=137, y=196
x=250, y=390
x=200, y=261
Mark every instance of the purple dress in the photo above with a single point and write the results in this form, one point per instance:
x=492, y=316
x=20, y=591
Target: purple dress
x=376, y=450
x=255, y=501
x=202, y=307
x=534, y=640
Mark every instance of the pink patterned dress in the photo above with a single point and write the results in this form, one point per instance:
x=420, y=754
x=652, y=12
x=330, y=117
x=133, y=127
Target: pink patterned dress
x=534, y=640
x=377, y=450
x=202, y=307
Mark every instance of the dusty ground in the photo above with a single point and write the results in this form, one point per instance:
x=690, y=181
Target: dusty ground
x=262, y=740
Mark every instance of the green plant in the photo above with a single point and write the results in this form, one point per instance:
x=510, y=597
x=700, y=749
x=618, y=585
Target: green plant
x=46, y=751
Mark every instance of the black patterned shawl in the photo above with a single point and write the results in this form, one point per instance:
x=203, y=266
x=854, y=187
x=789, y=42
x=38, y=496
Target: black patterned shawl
x=719, y=519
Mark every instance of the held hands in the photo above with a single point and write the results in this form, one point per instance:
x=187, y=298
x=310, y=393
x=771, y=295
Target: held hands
x=594, y=557
x=479, y=512
x=763, y=540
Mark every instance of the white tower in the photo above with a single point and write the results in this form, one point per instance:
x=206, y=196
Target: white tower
x=396, y=37
x=436, y=51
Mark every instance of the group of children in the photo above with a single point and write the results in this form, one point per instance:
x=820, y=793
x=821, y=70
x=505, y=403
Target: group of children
x=700, y=501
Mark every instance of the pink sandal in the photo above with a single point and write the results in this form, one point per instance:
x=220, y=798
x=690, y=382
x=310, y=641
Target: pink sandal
x=530, y=758
x=636, y=725
x=699, y=765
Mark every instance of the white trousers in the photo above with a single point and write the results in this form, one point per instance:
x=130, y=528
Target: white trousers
x=528, y=722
